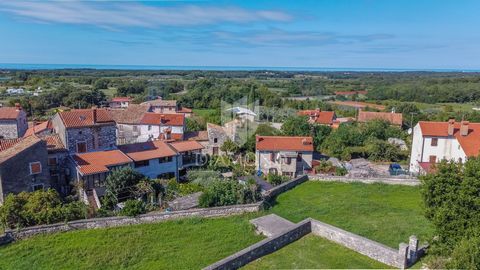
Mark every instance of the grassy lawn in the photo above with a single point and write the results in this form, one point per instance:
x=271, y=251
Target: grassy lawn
x=183, y=244
x=388, y=214
x=315, y=252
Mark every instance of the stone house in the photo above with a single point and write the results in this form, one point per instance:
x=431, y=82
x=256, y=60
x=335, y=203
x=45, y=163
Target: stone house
x=200, y=137
x=154, y=159
x=40, y=129
x=391, y=117
x=436, y=141
x=317, y=116
x=13, y=122
x=86, y=130
x=154, y=126
x=162, y=106
x=216, y=137
x=289, y=156
x=58, y=158
x=23, y=166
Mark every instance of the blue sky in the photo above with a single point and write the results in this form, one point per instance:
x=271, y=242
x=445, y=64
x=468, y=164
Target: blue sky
x=334, y=34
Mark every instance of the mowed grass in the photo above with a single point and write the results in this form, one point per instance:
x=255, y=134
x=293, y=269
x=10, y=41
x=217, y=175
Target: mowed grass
x=313, y=252
x=388, y=214
x=182, y=244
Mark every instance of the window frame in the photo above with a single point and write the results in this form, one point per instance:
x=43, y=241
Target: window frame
x=434, y=142
x=30, y=167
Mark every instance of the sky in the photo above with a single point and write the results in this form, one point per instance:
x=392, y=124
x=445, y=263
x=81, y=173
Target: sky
x=420, y=34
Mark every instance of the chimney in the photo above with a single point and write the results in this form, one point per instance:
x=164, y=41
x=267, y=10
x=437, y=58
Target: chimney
x=94, y=115
x=259, y=139
x=464, y=128
x=451, y=127
x=18, y=107
x=305, y=141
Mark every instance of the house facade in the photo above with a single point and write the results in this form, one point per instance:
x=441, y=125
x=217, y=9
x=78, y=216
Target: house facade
x=162, y=106
x=120, y=102
x=289, y=156
x=154, y=159
x=23, y=166
x=436, y=141
x=13, y=122
x=86, y=130
x=216, y=137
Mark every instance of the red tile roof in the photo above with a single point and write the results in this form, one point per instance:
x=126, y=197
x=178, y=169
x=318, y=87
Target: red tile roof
x=38, y=128
x=185, y=110
x=147, y=150
x=172, y=119
x=469, y=143
x=320, y=117
x=18, y=146
x=161, y=103
x=7, y=143
x=86, y=118
x=121, y=99
x=184, y=146
x=9, y=113
x=54, y=143
x=284, y=143
x=393, y=118
x=197, y=136
x=98, y=162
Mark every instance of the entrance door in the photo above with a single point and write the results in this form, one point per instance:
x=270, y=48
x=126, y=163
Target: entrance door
x=215, y=150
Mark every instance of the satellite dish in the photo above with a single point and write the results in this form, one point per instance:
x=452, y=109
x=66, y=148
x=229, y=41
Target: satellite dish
x=409, y=131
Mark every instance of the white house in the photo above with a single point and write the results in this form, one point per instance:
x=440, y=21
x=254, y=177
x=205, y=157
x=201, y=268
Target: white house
x=289, y=156
x=120, y=102
x=162, y=126
x=437, y=141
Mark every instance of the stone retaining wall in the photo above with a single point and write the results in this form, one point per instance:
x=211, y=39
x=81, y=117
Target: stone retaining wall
x=362, y=245
x=385, y=180
x=122, y=221
x=272, y=193
x=262, y=248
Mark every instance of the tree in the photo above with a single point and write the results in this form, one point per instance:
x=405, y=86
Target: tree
x=296, y=126
x=229, y=147
x=452, y=201
x=121, y=185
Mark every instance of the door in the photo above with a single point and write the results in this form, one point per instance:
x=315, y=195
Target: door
x=81, y=147
x=215, y=150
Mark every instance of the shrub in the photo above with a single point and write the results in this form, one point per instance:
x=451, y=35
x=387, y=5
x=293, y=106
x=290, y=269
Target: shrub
x=204, y=178
x=276, y=179
x=466, y=254
x=120, y=184
x=229, y=192
x=133, y=208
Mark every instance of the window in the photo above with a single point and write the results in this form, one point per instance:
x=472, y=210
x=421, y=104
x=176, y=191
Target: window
x=35, y=167
x=215, y=140
x=80, y=132
x=434, y=142
x=432, y=159
x=149, y=127
x=142, y=163
x=81, y=147
x=52, y=161
x=299, y=157
x=37, y=187
x=289, y=160
x=165, y=159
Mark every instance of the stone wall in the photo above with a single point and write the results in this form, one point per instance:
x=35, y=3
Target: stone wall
x=359, y=244
x=8, y=129
x=272, y=193
x=262, y=248
x=100, y=137
x=409, y=181
x=122, y=221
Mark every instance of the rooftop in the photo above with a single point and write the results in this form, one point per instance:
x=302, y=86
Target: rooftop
x=197, y=135
x=393, y=118
x=86, y=117
x=18, y=146
x=318, y=116
x=172, y=119
x=54, y=143
x=38, y=128
x=147, y=150
x=9, y=113
x=98, y=162
x=161, y=103
x=284, y=143
x=131, y=115
x=184, y=146
x=121, y=99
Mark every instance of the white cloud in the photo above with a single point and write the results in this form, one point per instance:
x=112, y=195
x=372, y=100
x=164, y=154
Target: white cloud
x=127, y=14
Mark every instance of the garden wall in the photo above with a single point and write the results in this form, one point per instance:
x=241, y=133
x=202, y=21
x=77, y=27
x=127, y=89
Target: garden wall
x=121, y=221
x=272, y=193
x=370, y=180
x=262, y=248
x=362, y=245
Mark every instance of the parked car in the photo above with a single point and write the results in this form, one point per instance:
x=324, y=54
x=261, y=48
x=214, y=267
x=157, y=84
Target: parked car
x=396, y=169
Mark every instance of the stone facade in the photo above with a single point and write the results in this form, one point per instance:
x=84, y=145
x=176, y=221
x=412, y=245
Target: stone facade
x=216, y=137
x=14, y=128
x=289, y=163
x=15, y=173
x=101, y=137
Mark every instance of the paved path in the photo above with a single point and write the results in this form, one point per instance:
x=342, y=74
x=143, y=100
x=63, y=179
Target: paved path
x=272, y=224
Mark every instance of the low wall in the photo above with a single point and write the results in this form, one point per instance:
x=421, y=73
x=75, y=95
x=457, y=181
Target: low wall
x=362, y=245
x=121, y=221
x=385, y=180
x=272, y=193
x=262, y=248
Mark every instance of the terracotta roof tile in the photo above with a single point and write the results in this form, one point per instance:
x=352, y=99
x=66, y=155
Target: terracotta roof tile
x=9, y=113
x=54, y=143
x=469, y=143
x=185, y=110
x=173, y=119
x=197, y=136
x=21, y=145
x=7, y=143
x=284, y=143
x=121, y=99
x=147, y=150
x=86, y=117
x=38, y=128
x=98, y=162
x=393, y=118
x=131, y=115
x=161, y=102
x=320, y=117
x=184, y=146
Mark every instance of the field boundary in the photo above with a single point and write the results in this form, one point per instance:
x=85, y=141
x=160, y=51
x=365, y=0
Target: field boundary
x=369, y=180
x=405, y=256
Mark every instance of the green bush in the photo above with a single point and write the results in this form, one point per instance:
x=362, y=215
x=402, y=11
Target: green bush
x=229, y=192
x=133, y=208
x=203, y=177
x=121, y=184
x=276, y=179
x=466, y=254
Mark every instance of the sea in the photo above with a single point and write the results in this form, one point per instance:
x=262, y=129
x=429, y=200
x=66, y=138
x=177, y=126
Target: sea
x=216, y=68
